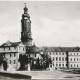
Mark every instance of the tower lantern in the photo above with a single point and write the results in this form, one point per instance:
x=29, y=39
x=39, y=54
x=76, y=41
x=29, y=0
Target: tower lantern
x=26, y=37
x=25, y=9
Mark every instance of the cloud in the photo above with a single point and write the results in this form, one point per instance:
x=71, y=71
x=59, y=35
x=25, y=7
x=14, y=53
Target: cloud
x=55, y=33
x=53, y=23
x=11, y=33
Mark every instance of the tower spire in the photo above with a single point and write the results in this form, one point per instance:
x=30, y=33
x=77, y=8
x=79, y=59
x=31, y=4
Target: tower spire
x=25, y=9
x=25, y=4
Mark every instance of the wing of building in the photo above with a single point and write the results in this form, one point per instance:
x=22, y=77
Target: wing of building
x=11, y=52
x=63, y=57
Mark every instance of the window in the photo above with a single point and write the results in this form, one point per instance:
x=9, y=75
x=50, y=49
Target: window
x=14, y=54
x=62, y=59
x=56, y=53
x=14, y=61
x=9, y=61
x=35, y=55
x=59, y=58
x=59, y=64
x=70, y=54
x=62, y=53
x=77, y=65
x=56, y=59
x=71, y=65
x=56, y=64
x=9, y=48
x=14, y=48
x=63, y=65
x=77, y=59
x=19, y=48
x=4, y=55
x=10, y=54
x=74, y=53
x=23, y=49
x=74, y=65
x=53, y=58
x=71, y=59
x=4, y=49
x=74, y=59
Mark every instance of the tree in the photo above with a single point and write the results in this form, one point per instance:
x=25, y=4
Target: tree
x=1, y=59
x=5, y=65
x=23, y=59
x=46, y=60
x=37, y=63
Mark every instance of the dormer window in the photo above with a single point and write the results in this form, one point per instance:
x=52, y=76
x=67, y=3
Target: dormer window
x=74, y=49
x=12, y=48
x=6, y=48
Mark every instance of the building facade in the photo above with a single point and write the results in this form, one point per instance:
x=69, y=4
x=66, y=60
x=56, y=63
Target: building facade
x=74, y=58
x=63, y=57
x=11, y=52
x=57, y=55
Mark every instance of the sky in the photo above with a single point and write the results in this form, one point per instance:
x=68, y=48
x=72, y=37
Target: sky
x=53, y=23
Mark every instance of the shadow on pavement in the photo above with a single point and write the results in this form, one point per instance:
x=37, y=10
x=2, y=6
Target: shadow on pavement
x=15, y=75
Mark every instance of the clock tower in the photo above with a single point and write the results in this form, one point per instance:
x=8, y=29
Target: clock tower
x=26, y=37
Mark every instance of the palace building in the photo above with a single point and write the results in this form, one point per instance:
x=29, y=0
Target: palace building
x=61, y=57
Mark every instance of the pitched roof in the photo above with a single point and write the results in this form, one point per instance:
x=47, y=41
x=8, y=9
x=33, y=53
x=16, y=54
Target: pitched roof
x=8, y=43
x=58, y=49
x=32, y=49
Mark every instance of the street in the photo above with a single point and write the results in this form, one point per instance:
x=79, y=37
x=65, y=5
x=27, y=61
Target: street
x=55, y=74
